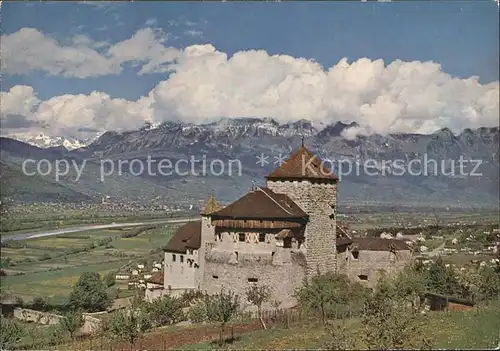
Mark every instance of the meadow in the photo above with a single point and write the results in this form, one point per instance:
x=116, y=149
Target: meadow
x=50, y=266
x=448, y=330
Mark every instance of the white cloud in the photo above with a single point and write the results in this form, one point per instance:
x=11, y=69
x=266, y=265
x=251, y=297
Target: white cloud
x=151, y=22
x=146, y=46
x=194, y=33
x=29, y=50
x=19, y=100
x=206, y=84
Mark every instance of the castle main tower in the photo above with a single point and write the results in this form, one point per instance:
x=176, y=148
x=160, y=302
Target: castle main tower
x=312, y=186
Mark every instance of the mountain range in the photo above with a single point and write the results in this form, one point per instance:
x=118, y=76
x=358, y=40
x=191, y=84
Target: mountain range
x=258, y=145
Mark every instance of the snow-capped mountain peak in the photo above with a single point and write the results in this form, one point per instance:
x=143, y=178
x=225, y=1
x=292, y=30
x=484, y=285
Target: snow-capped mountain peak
x=46, y=141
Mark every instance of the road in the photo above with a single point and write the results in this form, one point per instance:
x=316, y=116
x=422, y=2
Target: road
x=40, y=234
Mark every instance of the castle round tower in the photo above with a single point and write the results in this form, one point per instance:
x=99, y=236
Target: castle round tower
x=312, y=186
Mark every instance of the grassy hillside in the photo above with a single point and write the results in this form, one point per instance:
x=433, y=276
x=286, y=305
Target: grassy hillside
x=449, y=330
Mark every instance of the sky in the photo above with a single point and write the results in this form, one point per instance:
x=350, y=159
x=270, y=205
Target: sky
x=414, y=66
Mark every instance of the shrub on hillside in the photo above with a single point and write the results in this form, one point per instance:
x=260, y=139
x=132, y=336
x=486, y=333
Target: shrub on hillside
x=197, y=313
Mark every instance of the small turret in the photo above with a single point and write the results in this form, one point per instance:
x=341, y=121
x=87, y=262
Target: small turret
x=211, y=206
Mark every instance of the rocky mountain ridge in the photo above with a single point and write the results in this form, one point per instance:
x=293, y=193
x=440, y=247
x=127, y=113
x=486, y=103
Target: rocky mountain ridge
x=248, y=138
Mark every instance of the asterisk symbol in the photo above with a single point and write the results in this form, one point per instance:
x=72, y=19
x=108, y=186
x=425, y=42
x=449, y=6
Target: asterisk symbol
x=262, y=160
x=280, y=159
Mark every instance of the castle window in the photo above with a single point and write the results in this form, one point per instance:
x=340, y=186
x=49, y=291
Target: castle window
x=215, y=276
x=218, y=237
x=253, y=280
x=173, y=258
x=236, y=252
x=355, y=254
x=287, y=243
x=262, y=237
x=241, y=237
x=182, y=258
x=363, y=277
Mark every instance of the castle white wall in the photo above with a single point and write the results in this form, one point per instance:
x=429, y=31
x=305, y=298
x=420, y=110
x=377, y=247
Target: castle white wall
x=181, y=270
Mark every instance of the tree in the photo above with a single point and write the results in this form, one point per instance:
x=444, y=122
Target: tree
x=89, y=293
x=410, y=284
x=11, y=333
x=128, y=325
x=489, y=286
x=257, y=295
x=166, y=310
x=71, y=322
x=390, y=320
x=442, y=279
x=221, y=308
x=110, y=279
x=324, y=293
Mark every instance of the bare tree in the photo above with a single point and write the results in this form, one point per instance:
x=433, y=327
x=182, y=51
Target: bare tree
x=257, y=295
x=221, y=308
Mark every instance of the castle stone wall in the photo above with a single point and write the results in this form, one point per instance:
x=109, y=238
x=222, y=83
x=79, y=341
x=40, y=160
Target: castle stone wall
x=281, y=278
x=319, y=201
x=366, y=268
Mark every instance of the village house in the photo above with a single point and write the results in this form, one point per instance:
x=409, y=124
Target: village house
x=277, y=236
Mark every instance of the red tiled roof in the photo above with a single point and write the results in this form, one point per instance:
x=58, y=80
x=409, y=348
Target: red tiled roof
x=186, y=237
x=303, y=164
x=156, y=278
x=379, y=244
x=342, y=230
x=262, y=203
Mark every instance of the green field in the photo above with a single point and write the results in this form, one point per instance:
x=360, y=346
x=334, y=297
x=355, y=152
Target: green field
x=48, y=267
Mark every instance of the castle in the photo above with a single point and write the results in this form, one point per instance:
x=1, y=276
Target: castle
x=277, y=236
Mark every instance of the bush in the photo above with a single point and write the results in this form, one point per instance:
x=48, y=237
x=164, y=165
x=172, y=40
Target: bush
x=11, y=333
x=40, y=304
x=198, y=313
